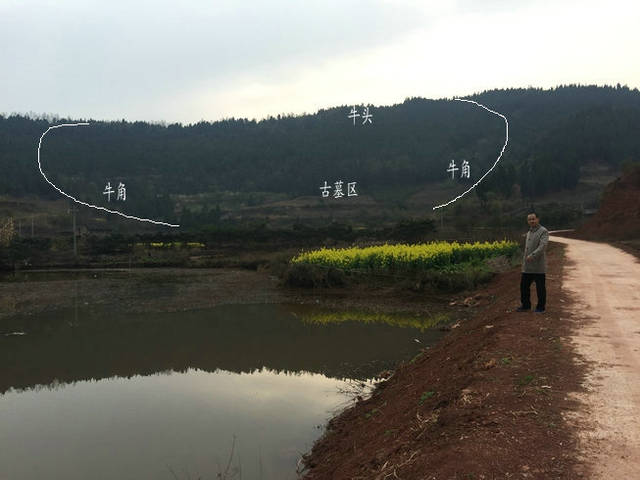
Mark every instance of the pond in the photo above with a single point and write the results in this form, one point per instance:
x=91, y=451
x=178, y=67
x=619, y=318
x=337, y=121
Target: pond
x=234, y=391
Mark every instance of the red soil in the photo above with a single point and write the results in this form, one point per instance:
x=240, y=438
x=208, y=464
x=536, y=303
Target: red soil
x=619, y=215
x=486, y=402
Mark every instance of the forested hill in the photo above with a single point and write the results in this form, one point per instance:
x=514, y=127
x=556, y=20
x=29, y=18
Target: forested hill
x=551, y=132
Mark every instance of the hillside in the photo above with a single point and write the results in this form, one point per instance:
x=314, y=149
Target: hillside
x=619, y=215
x=187, y=173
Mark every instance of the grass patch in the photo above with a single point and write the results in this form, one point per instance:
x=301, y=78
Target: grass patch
x=465, y=276
x=526, y=380
x=425, y=396
x=313, y=276
x=413, y=360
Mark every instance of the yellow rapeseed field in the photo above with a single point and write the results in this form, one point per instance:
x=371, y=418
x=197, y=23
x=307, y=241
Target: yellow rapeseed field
x=172, y=244
x=403, y=257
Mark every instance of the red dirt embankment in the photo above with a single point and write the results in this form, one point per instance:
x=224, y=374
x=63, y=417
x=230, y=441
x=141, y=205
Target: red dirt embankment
x=619, y=215
x=486, y=402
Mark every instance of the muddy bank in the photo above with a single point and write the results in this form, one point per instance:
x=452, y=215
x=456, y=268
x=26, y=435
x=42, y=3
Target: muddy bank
x=180, y=289
x=162, y=289
x=486, y=402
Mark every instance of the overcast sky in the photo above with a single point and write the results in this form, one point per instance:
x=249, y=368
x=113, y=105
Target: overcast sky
x=191, y=60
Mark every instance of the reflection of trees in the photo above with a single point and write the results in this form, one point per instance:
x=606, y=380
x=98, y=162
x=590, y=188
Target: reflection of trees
x=234, y=338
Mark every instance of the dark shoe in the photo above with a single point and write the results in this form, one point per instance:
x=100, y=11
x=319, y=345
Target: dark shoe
x=522, y=309
x=539, y=310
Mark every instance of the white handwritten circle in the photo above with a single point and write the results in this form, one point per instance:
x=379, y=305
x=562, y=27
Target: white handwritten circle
x=114, y=212
x=506, y=140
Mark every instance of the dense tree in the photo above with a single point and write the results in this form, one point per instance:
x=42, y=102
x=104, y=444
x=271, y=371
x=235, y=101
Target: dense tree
x=552, y=132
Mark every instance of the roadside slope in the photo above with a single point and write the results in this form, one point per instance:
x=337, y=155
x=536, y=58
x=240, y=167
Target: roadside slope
x=486, y=402
x=604, y=283
x=618, y=217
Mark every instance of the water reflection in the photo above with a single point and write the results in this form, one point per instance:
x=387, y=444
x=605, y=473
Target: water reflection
x=90, y=343
x=102, y=393
x=420, y=322
x=148, y=426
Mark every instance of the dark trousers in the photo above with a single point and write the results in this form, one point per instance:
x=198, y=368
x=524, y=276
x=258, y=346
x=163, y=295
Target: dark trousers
x=525, y=289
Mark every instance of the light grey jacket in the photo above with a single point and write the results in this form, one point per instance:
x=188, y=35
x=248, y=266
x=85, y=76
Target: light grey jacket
x=535, y=246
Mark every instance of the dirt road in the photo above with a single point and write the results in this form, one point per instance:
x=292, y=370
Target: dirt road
x=605, y=284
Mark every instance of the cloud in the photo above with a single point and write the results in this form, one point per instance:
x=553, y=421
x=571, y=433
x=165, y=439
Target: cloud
x=113, y=57
x=207, y=60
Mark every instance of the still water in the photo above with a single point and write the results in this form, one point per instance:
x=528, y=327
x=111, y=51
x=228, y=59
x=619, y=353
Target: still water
x=239, y=391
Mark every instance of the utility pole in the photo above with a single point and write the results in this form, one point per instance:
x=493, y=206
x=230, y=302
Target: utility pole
x=31, y=226
x=72, y=210
x=75, y=245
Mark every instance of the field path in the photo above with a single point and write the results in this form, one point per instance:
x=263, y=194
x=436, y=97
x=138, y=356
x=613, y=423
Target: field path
x=605, y=284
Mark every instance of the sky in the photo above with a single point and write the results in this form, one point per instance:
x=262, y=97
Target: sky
x=193, y=60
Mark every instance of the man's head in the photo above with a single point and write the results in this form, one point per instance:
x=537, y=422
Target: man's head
x=533, y=220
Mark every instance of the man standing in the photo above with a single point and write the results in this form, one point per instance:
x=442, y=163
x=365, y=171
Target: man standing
x=534, y=265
